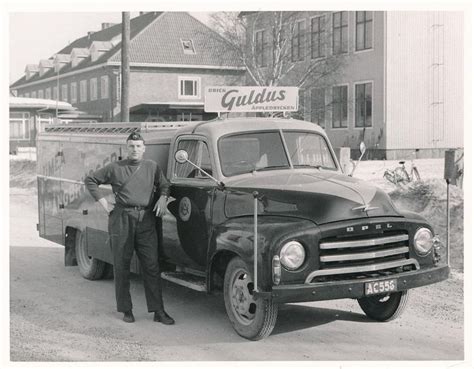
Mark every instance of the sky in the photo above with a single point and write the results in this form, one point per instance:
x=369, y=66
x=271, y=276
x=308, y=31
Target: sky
x=35, y=36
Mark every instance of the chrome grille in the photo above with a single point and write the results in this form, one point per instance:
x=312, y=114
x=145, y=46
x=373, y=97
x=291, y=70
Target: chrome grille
x=363, y=258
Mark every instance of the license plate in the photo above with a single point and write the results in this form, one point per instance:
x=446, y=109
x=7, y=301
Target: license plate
x=378, y=287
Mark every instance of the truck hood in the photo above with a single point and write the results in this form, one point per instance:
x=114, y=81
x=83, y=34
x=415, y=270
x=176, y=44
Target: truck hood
x=320, y=196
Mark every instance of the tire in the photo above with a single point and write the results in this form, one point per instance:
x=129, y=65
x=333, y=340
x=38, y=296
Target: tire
x=90, y=268
x=384, y=308
x=251, y=318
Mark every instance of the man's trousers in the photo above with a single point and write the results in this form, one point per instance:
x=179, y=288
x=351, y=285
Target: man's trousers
x=131, y=229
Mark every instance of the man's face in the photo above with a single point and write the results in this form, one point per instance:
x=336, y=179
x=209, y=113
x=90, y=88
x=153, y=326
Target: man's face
x=136, y=149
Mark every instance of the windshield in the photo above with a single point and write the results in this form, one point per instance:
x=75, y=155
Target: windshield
x=258, y=151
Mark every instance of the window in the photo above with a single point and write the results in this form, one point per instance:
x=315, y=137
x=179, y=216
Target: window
x=199, y=155
x=27, y=94
x=47, y=93
x=104, y=87
x=339, y=107
x=297, y=42
x=188, y=46
x=308, y=149
x=318, y=106
x=363, y=105
x=73, y=92
x=55, y=93
x=44, y=120
x=83, y=91
x=317, y=37
x=64, y=93
x=19, y=126
x=93, y=89
x=260, y=47
x=364, y=30
x=301, y=104
x=40, y=94
x=339, y=33
x=189, y=87
x=33, y=94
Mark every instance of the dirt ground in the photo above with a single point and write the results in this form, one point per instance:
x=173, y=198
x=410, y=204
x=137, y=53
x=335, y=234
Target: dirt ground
x=57, y=316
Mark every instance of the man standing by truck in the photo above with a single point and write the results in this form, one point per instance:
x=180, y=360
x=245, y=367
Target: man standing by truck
x=132, y=223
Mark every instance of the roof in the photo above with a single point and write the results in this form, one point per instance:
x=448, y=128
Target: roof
x=30, y=103
x=155, y=38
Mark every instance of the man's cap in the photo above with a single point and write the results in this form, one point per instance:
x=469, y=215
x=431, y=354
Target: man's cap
x=135, y=136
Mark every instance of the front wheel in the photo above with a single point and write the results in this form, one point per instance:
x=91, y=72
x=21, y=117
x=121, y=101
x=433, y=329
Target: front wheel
x=384, y=307
x=252, y=318
x=89, y=267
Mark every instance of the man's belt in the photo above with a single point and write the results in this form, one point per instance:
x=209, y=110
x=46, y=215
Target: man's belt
x=132, y=207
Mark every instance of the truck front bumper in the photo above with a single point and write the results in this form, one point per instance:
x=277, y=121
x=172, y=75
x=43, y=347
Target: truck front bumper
x=354, y=289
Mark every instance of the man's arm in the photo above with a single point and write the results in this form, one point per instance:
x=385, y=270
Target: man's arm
x=164, y=187
x=92, y=182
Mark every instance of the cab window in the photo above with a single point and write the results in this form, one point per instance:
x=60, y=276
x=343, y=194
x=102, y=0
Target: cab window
x=308, y=149
x=198, y=153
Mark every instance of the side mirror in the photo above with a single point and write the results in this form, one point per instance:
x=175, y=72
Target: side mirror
x=181, y=156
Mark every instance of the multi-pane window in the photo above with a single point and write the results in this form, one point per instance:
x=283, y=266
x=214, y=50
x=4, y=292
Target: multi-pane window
x=318, y=106
x=55, y=92
x=19, y=126
x=40, y=94
x=33, y=94
x=339, y=32
x=297, y=42
x=364, y=30
x=73, y=92
x=93, y=89
x=47, y=93
x=83, y=91
x=260, y=57
x=189, y=87
x=64, y=93
x=43, y=120
x=339, y=107
x=317, y=37
x=363, y=105
x=104, y=87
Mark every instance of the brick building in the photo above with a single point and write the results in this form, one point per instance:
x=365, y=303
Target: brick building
x=172, y=58
x=401, y=87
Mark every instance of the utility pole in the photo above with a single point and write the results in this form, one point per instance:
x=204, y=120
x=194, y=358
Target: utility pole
x=125, y=114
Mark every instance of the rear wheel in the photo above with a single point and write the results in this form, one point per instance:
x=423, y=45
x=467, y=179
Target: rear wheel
x=89, y=267
x=252, y=318
x=384, y=307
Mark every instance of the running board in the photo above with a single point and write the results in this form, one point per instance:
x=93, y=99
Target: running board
x=187, y=280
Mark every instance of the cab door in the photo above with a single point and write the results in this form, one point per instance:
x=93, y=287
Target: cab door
x=187, y=223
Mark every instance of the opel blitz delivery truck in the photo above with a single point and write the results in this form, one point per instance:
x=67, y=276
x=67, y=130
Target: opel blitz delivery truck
x=259, y=210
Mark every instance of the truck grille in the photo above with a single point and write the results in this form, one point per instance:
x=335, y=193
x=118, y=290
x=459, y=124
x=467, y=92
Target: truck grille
x=363, y=258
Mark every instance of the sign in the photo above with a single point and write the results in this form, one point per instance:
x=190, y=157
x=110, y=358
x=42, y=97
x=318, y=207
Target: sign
x=250, y=99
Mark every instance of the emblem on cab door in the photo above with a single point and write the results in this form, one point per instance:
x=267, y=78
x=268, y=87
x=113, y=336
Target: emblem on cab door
x=184, y=209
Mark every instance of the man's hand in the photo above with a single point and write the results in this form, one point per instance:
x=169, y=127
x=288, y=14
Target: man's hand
x=160, y=206
x=106, y=205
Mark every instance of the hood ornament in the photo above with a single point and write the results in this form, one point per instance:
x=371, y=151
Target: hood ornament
x=366, y=207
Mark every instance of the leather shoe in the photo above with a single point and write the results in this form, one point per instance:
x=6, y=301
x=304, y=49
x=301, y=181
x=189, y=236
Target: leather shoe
x=162, y=317
x=128, y=317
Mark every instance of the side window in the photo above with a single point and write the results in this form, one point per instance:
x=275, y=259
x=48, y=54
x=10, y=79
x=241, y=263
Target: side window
x=198, y=153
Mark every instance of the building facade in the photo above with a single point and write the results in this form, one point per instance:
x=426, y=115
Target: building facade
x=399, y=88
x=172, y=58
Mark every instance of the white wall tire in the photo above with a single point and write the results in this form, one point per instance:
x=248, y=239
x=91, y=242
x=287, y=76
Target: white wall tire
x=384, y=308
x=251, y=318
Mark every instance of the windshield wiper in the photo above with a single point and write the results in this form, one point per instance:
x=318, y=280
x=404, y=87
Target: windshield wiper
x=308, y=166
x=270, y=167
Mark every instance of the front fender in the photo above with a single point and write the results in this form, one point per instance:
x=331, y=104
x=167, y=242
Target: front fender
x=237, y=234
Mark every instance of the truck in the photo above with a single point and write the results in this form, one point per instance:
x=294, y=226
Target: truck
x=259, y=211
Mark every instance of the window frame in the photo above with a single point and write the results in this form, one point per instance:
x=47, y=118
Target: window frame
x=186, y=51
x=196, y=80
x=312, y=91
x=104, y=86
x=300, y=37
x=25, y=123
x=347, y=106
x=73, y=96
x=83, y=91
x=260, y=57
x=64, y=96
x=371, y=106
x=341, y=27
x=372, y=30
x=321, y=35
x=177, y=180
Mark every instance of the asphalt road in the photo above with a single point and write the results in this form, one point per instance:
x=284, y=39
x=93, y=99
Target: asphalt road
x=56, y=315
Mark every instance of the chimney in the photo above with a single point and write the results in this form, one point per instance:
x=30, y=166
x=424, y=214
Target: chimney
x=89, y=34
x=107, y=25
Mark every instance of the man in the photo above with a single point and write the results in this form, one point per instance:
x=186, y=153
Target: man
x=132, y=223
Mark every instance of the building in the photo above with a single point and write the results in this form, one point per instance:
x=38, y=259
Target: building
x=172, y=57
x=400, y=88
x=28, y=116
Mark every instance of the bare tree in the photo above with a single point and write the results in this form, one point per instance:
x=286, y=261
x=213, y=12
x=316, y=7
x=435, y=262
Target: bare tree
x=280, y=49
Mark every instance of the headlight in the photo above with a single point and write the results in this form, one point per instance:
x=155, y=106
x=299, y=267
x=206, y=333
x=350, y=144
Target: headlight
x=292, y=255
x=423, y=241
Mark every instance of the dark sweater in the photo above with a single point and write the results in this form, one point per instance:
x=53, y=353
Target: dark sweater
x=138, y=191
